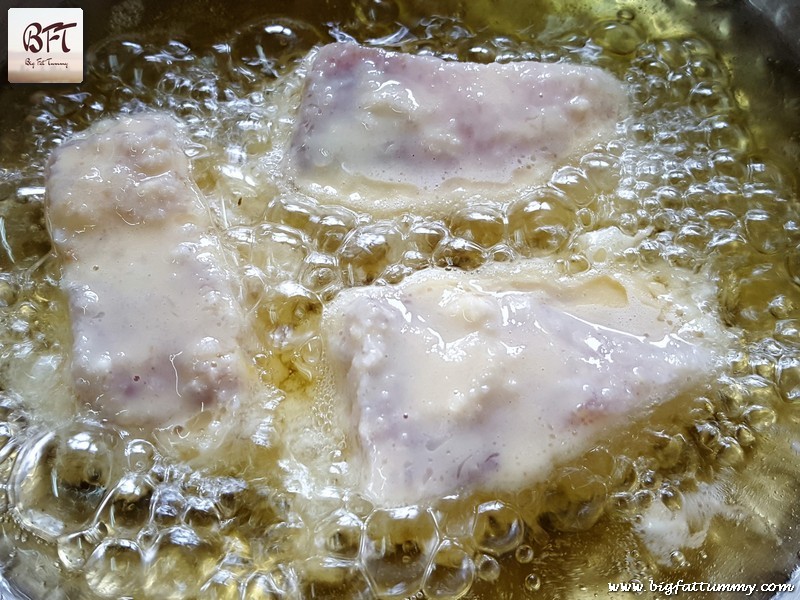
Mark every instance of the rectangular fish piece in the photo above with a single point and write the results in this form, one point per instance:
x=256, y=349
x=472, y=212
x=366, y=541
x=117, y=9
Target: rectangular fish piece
x=387, y=132
x=156, y=323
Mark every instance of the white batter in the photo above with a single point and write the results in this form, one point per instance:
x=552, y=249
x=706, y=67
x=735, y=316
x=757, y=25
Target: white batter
x=385, y=132
x=157, y=328
x=486, y=379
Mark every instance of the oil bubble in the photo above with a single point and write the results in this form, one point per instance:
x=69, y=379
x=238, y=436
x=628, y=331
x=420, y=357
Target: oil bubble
x=524, y=554
x=487, y=568
x=340, y=534
x=450, y=573
x=533, y=583
x=619, y=37
x=115, y=569
x=398, y=545
x=497, y=528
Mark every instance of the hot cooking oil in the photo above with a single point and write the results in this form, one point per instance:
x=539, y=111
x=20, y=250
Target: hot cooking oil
x=700, y=175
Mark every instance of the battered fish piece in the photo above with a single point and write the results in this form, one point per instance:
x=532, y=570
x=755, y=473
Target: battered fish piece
x=486, y=379
x=386, y=132
x=157, y=327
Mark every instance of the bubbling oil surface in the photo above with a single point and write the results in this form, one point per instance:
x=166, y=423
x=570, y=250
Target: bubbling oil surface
x=217, y=511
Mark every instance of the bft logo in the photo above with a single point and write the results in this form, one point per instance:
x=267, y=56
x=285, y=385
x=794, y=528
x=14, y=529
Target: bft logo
x=32, y=36
x=45, y=45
